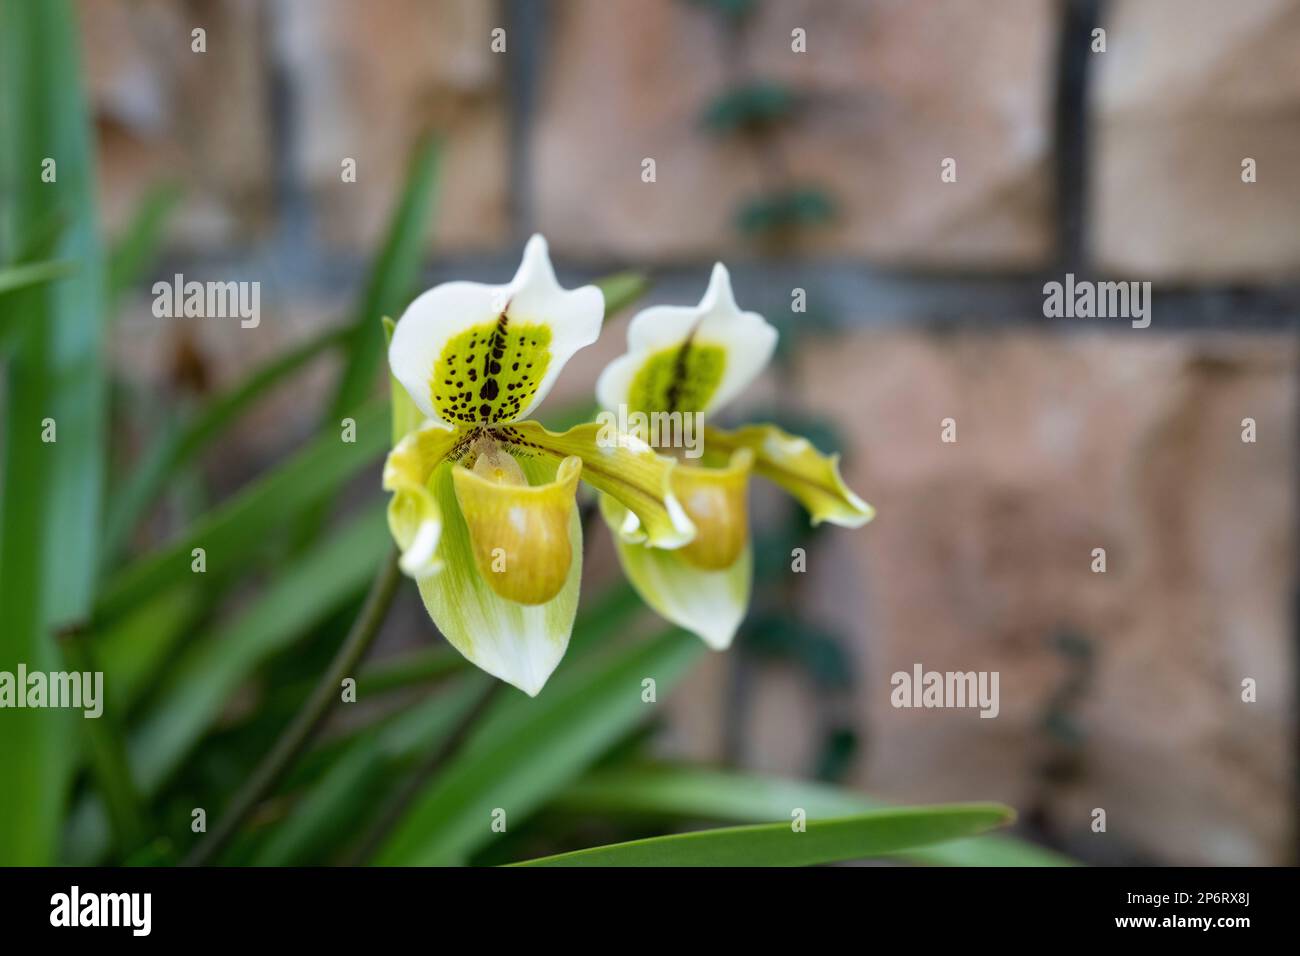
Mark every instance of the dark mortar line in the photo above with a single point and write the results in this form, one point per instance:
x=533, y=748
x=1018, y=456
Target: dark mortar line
x=1295, y=641
x=525, y=23
x=294, y=235
x=854, y=294
x=1070, y=130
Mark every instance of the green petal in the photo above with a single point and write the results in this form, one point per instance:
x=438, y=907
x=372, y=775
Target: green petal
x=521, y=644
x=794, y=464
x=680, y=377
x=620, y=465
x=413, y=516
x=406, y=417
x=709, y=604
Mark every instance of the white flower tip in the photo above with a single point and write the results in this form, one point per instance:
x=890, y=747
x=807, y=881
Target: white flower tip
x=536, y=261
x=535, y=246
x=531, y=687
x=718, y=635
x=719, y=294
x=519, y=673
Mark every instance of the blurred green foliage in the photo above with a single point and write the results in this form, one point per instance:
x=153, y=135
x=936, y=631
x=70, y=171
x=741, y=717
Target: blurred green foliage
x=750, y=108
x=797, y=207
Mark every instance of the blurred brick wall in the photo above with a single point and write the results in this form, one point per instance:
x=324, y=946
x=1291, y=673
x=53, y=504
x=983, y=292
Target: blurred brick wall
x=887, y=91
x=1125, y=439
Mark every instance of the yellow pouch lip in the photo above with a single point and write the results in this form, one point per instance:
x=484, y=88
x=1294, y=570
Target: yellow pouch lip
x=717, y=502
x=518, y=532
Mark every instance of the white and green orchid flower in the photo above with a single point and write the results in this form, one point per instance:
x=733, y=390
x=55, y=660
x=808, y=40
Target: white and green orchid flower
x=696, y=360
x=483, y=500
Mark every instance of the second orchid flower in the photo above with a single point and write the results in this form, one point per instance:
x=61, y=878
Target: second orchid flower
x=691, y=361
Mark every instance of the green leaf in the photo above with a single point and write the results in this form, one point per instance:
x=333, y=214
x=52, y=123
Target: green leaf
x=424, y=665
x=527, y=749
x=175, y=448
x=693, y=793
x=131, y=649
x=390, y=283
x=21, y=310
x=780, y=844
x=324, y=817
x=241, y=526
x=795, y=208
x=49, y=491
x=350, y=777
x=138, y=246
x=751, y=107
x=34, y=273
x=217, y=664
x=107, y=752
x=621, y=290
x=387, y=291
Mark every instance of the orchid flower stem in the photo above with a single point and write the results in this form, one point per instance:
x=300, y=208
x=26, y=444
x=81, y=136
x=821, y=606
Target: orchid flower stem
x=308, y=720
x=404, y=796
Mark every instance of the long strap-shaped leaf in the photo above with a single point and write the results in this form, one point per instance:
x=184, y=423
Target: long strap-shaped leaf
x=783, y=844
x=388, y=288
x=723, y=796
x=51, y=489
x=136, y=248
x=390, y=281
x=14, y=278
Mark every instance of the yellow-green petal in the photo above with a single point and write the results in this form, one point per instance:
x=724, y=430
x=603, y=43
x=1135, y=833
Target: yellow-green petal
x=621, y=465
x=406, y=417
x=682, y=377
x=709, y=604
x=413, y=517
x=794, y=464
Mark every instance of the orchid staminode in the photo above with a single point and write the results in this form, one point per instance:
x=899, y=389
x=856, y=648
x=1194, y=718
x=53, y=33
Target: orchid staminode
x=483, y=500
x=696, y=360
